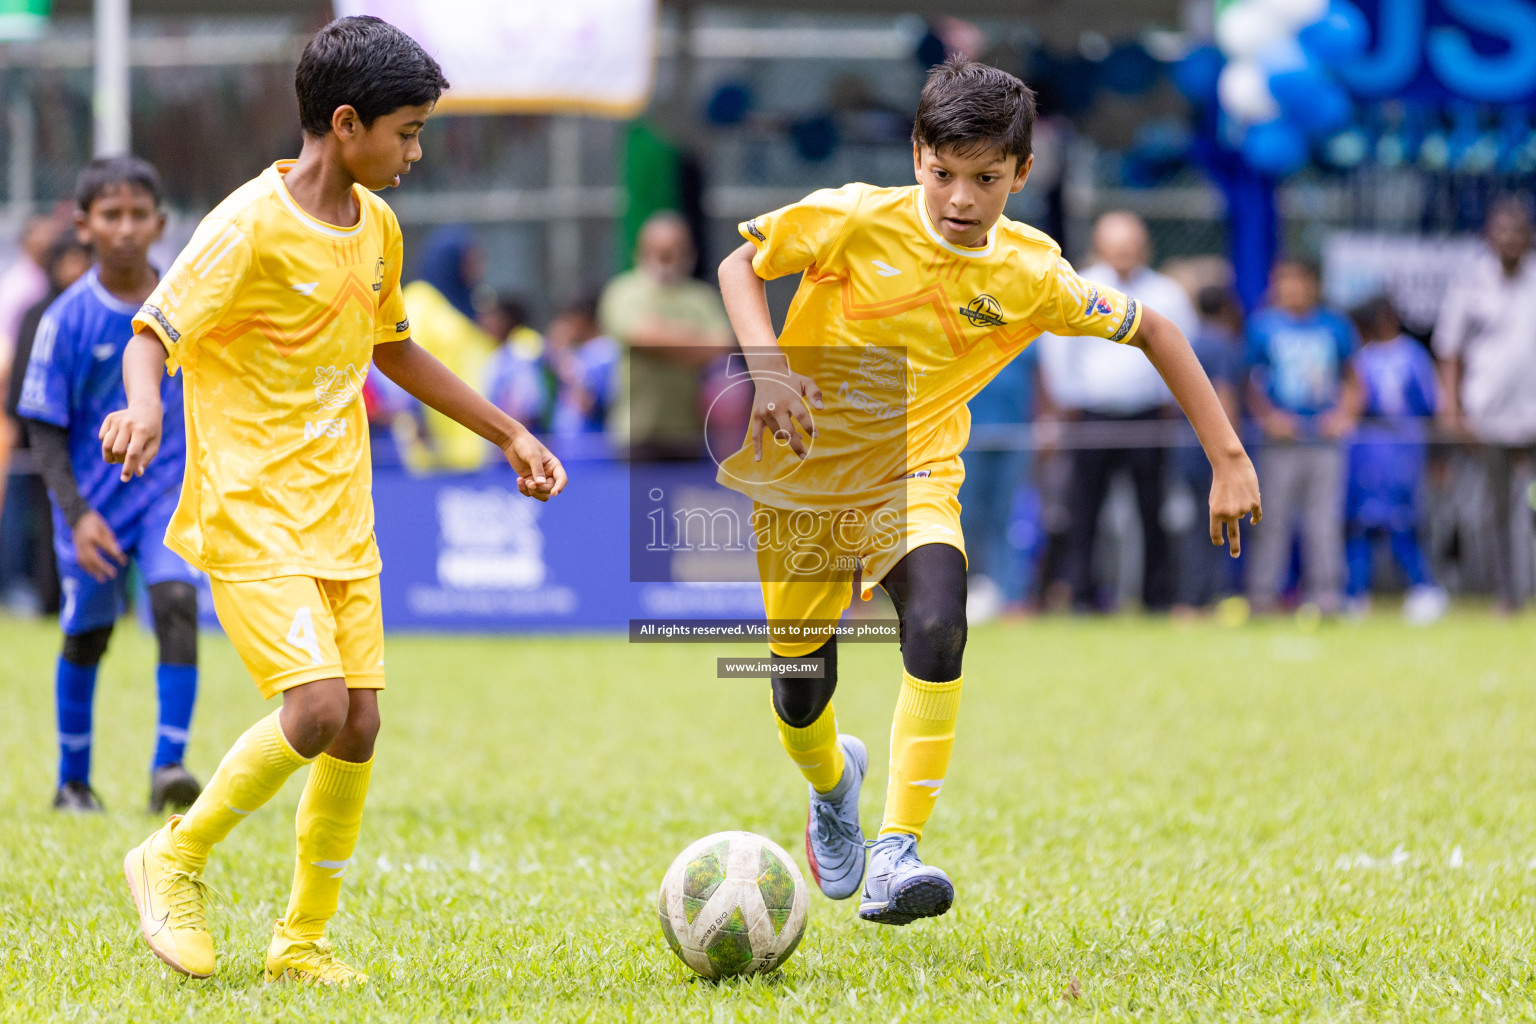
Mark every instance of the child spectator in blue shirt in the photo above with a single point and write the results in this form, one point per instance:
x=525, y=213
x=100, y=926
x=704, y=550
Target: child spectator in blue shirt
x=1396, y=396
x=1298, y=355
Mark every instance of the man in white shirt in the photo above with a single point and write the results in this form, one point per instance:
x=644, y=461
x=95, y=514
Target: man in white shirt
x=1093, y=380
x=1485, y=339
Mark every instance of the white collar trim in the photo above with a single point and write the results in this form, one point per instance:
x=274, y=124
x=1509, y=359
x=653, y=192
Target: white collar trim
x=318, y=226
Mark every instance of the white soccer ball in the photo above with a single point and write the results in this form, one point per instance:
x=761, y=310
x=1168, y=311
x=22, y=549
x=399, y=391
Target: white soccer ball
x=733, y=903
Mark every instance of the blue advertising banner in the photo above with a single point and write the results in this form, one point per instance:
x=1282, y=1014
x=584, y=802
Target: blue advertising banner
x=1434, y=51
x=469, y=553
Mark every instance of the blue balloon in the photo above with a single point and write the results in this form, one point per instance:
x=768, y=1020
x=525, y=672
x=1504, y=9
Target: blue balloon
x=1275, y=148
x=1130, y=70
x=730, y=104
x=1295, y=90
x=1339, y=37
x=1196, y=75
x=814, y=138
x=1329, y=111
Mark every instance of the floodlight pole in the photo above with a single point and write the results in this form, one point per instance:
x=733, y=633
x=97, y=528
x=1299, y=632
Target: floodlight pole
x=110, y=101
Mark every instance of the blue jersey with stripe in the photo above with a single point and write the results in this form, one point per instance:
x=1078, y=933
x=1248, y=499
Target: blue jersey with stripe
x=75, y=378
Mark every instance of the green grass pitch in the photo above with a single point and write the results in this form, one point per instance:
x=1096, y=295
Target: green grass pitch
x=1144, y=821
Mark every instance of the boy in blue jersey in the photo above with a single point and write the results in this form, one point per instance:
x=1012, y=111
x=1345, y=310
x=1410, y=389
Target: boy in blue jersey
x=1298, y=355
x=74, y=379
x=1386, y=460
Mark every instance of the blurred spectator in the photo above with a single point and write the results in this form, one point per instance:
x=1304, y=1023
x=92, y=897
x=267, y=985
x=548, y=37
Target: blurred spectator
x=1098, y=381
x=442, y=310
x=28, y=578
x=669, y=326
x=994, y=472
x=24, y=282
x=515, y=375
x=585, y=362
x=1204, y=569
x=1298, y=354
x=1396, y=394
x=1485, y=339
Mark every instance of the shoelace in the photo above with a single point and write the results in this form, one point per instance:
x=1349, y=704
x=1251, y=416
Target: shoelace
x=186, y=895
x=322, y=958
x=829, y=826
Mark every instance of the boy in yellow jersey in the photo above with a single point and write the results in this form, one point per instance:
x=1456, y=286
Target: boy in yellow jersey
x=912, y=299
x=273, y=313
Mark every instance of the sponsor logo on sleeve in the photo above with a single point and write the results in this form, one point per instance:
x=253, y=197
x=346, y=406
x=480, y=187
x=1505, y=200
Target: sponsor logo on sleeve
x=754, y=231
x=402, y=327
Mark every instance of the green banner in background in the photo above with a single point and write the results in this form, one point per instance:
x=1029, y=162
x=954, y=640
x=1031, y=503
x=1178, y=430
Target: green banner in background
x=23, y=19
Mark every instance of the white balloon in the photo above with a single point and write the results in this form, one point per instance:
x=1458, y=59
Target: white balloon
x=1246, y=28
x=1296, y=13
x=1243, y=89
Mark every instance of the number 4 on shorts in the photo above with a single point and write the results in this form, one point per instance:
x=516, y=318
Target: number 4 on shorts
x=302, y=635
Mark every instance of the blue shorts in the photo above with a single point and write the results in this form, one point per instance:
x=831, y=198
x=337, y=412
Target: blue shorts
x=89, y=605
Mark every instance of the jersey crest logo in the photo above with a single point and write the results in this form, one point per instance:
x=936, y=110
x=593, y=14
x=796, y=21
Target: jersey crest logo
x=378, y=275
x=336, y=388
x=984, y=311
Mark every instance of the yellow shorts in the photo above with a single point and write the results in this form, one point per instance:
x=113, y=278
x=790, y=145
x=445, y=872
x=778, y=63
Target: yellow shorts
x=806, y=560
x=293, y=630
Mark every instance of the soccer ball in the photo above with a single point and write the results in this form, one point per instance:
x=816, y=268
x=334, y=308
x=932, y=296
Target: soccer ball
x=733, y=903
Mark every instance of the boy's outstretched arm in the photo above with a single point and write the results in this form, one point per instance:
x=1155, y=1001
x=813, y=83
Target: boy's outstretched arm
x=132, y=435
x=779, y=402
x=539, y=474
x=1234, y=485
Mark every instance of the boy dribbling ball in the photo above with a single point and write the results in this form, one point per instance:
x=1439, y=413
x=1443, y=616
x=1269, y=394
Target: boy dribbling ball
x=912, y=299
x=273, y=313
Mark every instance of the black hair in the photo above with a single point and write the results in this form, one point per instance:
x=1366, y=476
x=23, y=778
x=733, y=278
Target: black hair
x=584, y=304
x=1510, y=204
x=106, y=173
x=1373, y=313
x=365, y=63
x=971, y=108
x=66, y=244
x=1215, y=300
x=513, y=308
x=1306, y=264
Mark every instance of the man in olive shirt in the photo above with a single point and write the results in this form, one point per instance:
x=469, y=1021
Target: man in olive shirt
x=670, y=327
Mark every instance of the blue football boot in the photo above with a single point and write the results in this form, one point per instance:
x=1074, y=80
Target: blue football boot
x=834, y=842
x=900, y=888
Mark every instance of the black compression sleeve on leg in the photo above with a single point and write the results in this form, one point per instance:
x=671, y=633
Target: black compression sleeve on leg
x=173, y=605
x=928, y=589
x=799, y=702
x=86, y=649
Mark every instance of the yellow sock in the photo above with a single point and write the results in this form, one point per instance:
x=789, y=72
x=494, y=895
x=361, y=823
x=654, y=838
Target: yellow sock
x=922, y=737
x=329, y=820
x=254, y=769
x=814, y=749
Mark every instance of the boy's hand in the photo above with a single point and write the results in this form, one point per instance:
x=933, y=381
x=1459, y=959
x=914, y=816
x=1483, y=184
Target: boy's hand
x=778, y=406
x=1234, y=494
x=1280, y=426
x=132, y=436
x=539, y=474
x=96, y=547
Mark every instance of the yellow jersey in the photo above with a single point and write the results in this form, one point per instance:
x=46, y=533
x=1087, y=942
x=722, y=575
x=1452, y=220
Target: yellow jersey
x=271, y=317
x=900, y=329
